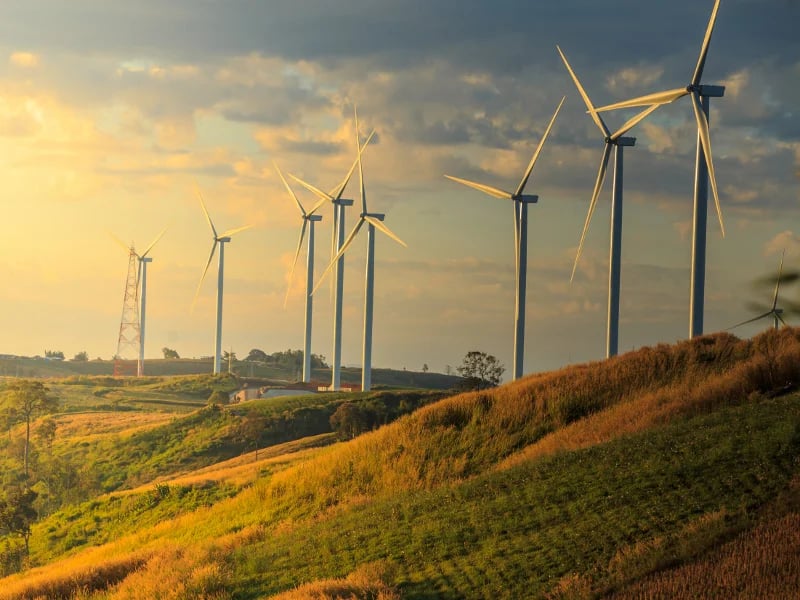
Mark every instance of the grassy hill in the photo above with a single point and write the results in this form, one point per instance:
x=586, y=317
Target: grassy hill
x=279, y=374
x=671, y=471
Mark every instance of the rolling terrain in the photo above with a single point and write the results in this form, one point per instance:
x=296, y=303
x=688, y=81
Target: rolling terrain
x=671, y=471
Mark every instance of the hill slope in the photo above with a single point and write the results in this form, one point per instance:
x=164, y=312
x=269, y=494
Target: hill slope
x=666, y=467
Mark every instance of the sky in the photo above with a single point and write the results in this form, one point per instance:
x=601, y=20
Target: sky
x=111, y=112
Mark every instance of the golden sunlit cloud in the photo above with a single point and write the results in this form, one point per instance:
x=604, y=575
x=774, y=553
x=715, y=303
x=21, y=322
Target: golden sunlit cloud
x=25, y=60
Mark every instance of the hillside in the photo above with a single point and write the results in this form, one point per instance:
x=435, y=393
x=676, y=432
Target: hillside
x=277, y=373
x=671, y=471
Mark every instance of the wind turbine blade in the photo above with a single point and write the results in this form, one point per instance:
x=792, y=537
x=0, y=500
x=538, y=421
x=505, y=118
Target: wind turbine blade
x=780, y=318
x=778, y=283
x=346, y=244
x=539, y=149
x=316, y=207
x=486, y=189
x=288, y=189
x=634, y=121
x=154, y=242
x=705, y=140
x=122, y=244
x=657, y=98
x=338, y=191
x=595, y=117
x=360, y=167
x=205, y=210
x=314, y=190
x=701, y=62
x=203, y=276
x=294, y=262
x=382, y=227
x=601, y=176
x=231, y=232
x=759, y=317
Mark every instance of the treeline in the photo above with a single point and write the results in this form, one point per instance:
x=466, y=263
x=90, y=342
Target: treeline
x=287, y=359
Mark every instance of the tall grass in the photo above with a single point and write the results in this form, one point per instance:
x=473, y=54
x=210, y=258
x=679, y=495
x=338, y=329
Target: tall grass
x=461, y=436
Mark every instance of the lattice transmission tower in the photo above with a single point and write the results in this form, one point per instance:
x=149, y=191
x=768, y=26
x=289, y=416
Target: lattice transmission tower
x=126, y=358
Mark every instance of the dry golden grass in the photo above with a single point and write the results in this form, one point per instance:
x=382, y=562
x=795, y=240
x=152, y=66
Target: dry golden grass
x=762, y=563
x=93, y=570
x=104, y=423
x=772, y=360
x=368, y=582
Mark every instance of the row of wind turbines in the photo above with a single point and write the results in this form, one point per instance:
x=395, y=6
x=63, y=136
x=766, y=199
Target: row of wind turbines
x=617, y=140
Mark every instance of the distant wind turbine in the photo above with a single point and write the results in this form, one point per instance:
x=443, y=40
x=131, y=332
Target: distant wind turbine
x=309, y=219
x=141, y=283
x=704, y=167
x=339, y=204
x=219, y=240
x=374, y=221
x=618, y=142
x=773, y=312
x=521, y=202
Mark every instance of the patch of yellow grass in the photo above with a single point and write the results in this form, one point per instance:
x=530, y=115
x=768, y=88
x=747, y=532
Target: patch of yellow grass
x=368, y=582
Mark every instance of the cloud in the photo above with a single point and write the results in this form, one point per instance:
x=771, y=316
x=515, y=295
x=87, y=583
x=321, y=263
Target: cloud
x=25, y=60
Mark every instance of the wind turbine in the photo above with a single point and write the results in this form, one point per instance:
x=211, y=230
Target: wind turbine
x=704, y=168
x=773, y=312
x=337, y=240
x=374, y=221
x=521, y=202
x=308, y=218
x=219, y=240
x=617, y=142
x=141, y=282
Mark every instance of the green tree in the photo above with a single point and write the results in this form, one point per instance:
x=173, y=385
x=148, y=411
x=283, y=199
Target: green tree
x=256, y=355
x=218, y=397
x=81, y=356
x=17, y=514
x=481, y=370
x=169, y=353
x=425, y=368
x=349, y=420
x=29, y=399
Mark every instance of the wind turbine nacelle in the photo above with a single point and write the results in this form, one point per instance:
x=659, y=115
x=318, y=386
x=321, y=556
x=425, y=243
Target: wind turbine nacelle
x=711, y=91
x=379, y=216
x=314, y=218
x=223, y=240
x=625, y=141
x=527, y=198
x=343, y=202
x=146, y=259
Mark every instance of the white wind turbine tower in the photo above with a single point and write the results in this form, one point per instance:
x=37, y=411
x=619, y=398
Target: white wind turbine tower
x=141, y=283
x=374, y=221
x=704, y=168
x=309, y=219
x=617, y=142
x=337, y=239
x=773, y=312
x=221, y=240
x=521, y=202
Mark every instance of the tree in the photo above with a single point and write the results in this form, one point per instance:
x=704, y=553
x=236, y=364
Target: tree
x=218, y=397
x=81, y=356
x=17, y=514
x=46, y=432
x=481, y=370
x=169, y=353
x=348, y=421
x=54, y=354
x=425, y=368
x=29, y=399
x=256, y=355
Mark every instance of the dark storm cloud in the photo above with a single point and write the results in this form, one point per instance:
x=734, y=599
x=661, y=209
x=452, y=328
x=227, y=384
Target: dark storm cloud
x=502, y=35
